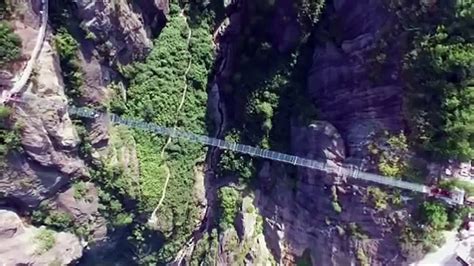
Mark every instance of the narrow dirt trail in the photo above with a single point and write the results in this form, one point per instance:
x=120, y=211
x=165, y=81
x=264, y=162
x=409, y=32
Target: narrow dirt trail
x=180, y=106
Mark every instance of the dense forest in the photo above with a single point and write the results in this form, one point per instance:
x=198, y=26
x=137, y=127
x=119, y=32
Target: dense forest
x=439, y=70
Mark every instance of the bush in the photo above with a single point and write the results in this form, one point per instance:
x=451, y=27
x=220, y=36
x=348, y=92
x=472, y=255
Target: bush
x=378, y=197
x=434, y=215
x=10, y=136
x=67, y=48
x=80, y=190
x=450, y=184
x=10, y=44
x=229, y=200
x=392, y=160
x=356, y=231
x=45, y=240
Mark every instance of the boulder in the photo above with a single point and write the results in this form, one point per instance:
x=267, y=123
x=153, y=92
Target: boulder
x=24, y=245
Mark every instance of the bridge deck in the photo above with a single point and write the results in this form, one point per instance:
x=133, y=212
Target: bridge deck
x=348, y=170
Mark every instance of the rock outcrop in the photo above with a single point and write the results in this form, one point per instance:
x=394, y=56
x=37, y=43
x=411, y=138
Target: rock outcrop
x=48, y=137
x=28, y=245
x=83, y=207
x=242, y=244
x=308, y=214
x=116, y=27
x=353, y=81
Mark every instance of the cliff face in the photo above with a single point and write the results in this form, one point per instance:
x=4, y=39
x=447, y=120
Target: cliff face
x=354, y=80
x=301, y=215
x=121, y=27
x=28, y=245
x=355, y=85
x=48, y=137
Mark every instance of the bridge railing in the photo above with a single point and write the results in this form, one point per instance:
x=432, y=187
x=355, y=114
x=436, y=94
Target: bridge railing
x=348, y=170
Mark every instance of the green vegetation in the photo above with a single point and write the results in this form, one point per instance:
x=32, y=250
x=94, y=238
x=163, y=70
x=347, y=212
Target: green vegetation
x=427, y=234
x=434, y=215
x=157, y=86
x=229, y=200
x=378, y=197
x=80, y=190
x=67, y=48
x=45, y=240
x=232, y=163
x=335, y=200
x=467, y=186
x=10, y=44
x=391, y=156
x=5, y=9
x=113, y=190
x=439, y=73
x=206, y=250
x=9, y=134
x=336, y=207
x=59, y=221
x=263, y=97
x=117, y=104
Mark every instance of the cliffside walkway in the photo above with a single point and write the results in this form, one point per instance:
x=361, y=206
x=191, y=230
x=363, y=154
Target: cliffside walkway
x=347, y=170
x=25, y=75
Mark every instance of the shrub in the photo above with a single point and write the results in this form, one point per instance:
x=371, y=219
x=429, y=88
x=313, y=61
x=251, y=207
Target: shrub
x=10, y=44
x=45, y=240
x=378, y=197
x=67, y=48
x=355, y=231
x=450, y=184
x=229, y=199
x=434, y=215
x=438, y=69
x=80, y=190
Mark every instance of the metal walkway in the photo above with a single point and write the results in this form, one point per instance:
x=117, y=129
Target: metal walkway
x=348, y=170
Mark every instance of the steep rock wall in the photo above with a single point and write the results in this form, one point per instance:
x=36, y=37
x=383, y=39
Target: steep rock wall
x=26, y=245
x=301, y=216
x=119, y=27
x=48, y=137
x=354, y=91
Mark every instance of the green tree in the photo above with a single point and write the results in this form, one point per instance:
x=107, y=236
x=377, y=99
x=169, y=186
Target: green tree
x=10, y=44
x=440, y=71
x=229, y=199
x=434, y=215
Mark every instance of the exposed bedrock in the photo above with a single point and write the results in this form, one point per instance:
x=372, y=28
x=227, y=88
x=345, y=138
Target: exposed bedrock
x=48, y=137
x=125, y=29
x=29, y=245
x=300, y=215
x=352, y=91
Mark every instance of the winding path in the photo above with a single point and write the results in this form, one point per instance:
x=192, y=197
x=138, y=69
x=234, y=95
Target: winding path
x=168, y=141
x=25, y=76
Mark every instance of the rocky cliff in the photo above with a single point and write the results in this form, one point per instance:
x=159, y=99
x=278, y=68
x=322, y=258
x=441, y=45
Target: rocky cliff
x=354, y=82
x=355, y=77
x=355, y=85
x=321, y=216
x=48, y=138
x=122, y=28
x=28, y=245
